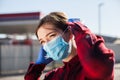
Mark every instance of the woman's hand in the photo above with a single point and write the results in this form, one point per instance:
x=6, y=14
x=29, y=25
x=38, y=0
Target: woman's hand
x=42, y=59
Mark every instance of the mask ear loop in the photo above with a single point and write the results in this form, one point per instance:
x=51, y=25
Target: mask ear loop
x=70, y=45
x=69, y=27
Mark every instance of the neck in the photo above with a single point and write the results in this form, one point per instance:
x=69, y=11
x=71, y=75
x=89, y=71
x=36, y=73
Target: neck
x=71, y=55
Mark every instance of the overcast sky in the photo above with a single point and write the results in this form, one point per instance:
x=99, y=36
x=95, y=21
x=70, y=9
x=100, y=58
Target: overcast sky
x=86, y=10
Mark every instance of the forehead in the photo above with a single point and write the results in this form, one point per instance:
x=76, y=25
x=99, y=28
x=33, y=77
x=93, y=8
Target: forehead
x=47, y=28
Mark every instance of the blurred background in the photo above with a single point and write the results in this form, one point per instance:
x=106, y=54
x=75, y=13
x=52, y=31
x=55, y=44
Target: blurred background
x=19, y=19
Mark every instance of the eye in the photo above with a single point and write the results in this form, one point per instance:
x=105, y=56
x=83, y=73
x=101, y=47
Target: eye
x=52, y=35
x=42, y=42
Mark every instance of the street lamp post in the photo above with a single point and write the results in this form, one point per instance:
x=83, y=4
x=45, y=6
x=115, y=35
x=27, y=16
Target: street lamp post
x=99, y=17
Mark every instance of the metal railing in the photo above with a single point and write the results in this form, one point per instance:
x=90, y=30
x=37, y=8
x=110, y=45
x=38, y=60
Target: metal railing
x=15, y=59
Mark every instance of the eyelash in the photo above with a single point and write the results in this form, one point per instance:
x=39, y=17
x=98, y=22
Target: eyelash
x=41, y=42
x=50, y=36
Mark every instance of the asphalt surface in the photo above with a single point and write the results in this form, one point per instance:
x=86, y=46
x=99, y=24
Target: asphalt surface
x=21, y=77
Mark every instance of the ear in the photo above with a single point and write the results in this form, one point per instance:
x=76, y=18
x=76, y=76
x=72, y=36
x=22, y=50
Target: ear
x=69, y=34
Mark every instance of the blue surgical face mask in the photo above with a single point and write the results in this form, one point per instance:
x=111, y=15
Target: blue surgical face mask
x=57, y=49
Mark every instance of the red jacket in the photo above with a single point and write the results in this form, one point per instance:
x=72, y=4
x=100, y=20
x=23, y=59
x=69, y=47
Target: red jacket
x=93, y=62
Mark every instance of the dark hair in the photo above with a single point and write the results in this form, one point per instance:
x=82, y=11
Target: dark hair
x=58, y=19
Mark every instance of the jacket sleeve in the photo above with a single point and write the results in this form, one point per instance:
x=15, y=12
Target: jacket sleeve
x=34, y=71
x=97, y=60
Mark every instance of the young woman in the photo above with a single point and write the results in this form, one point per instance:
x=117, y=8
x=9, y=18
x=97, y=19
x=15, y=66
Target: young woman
x=83, y=53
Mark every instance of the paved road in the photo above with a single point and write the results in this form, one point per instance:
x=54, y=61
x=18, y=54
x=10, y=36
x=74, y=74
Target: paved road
x=21, y=77
x=117, y=71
